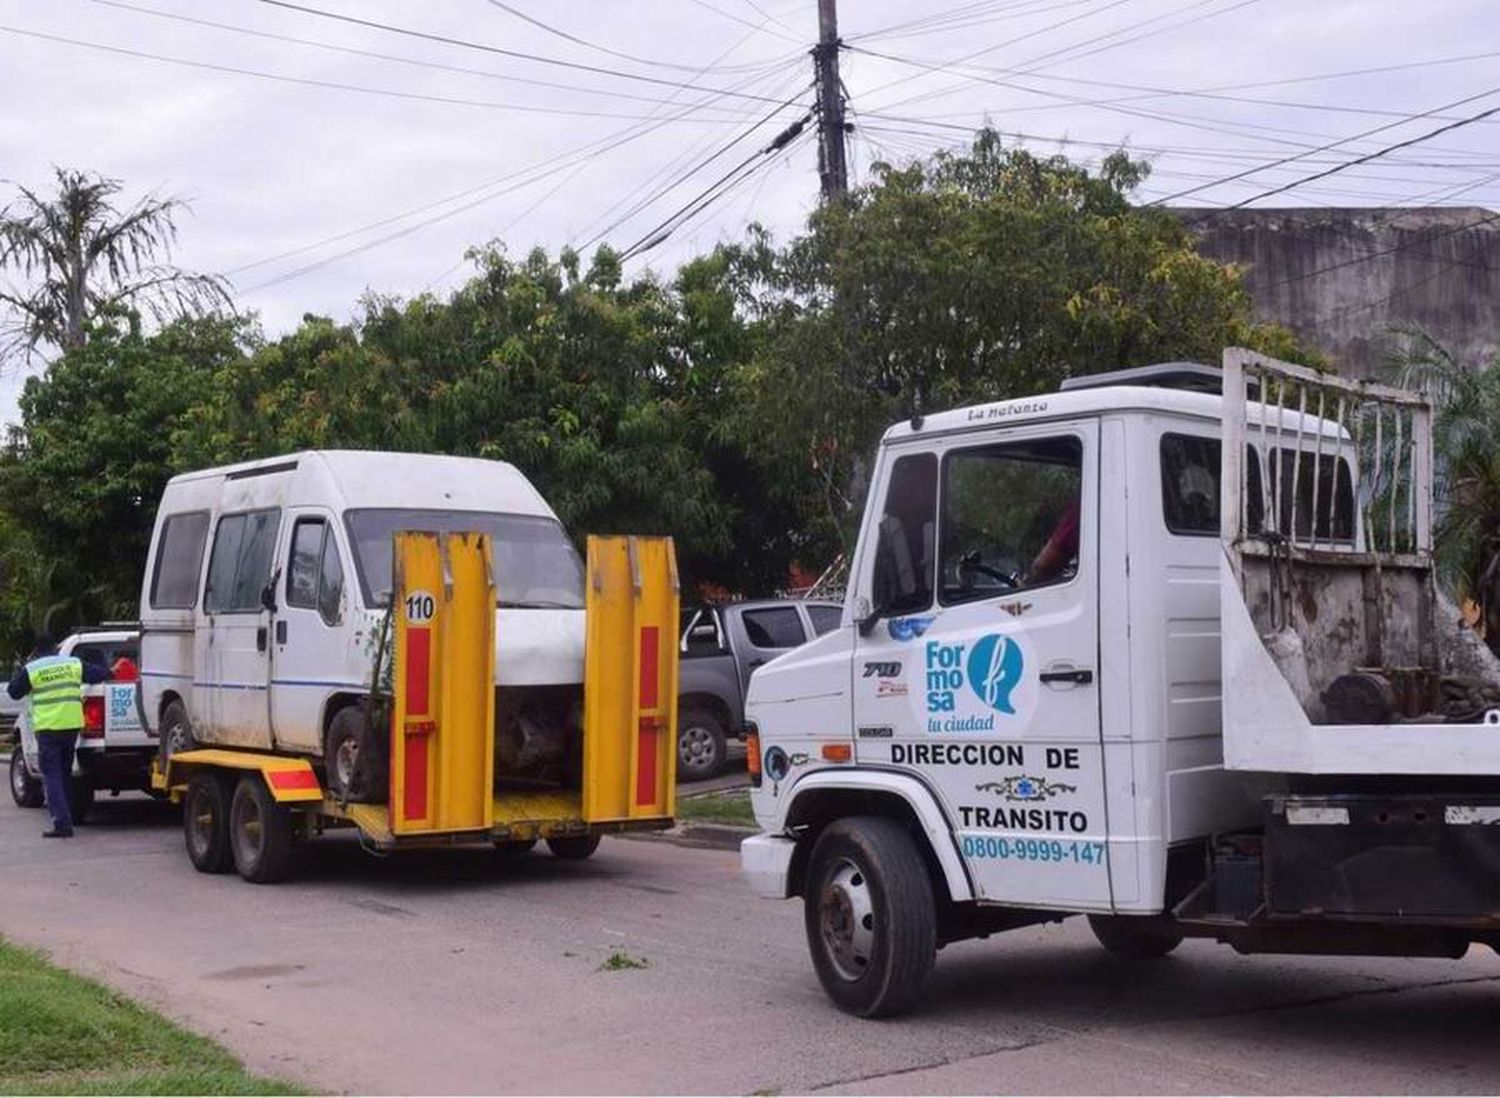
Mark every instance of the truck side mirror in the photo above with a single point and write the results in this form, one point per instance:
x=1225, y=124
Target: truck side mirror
x=866, y=615
x=268, y=596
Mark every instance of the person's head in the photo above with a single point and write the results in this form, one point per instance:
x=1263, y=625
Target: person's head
x=44, y=645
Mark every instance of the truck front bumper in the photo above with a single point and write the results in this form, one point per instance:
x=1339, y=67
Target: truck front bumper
x=766, y=862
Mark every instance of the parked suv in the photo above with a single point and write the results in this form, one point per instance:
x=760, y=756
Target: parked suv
x=721, y=647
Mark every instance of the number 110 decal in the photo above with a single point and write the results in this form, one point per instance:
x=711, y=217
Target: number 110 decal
x=420, y=607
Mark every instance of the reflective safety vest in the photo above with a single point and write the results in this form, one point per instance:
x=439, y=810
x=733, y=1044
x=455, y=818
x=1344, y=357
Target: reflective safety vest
x=56, y=699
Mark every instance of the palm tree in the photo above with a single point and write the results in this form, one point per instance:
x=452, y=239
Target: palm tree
x=81, y=257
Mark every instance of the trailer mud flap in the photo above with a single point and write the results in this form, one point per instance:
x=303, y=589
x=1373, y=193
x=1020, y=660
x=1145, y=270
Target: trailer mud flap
x=442, y=731
x=630, y=680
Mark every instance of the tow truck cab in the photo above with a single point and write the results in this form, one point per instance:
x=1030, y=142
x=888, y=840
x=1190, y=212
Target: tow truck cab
x=1024, y=716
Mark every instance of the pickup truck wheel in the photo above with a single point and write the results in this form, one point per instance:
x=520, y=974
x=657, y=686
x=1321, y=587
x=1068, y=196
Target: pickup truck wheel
x=1135, y=937
x=175, y=735
x=574, y=848
x=260, y=832
x=871, y=916
x=355, y=764
x=25, y=788
x=701, y=745
x=205, y=823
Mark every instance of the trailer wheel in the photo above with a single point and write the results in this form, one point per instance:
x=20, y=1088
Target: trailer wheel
x=260, y=832
x=355, y=763
x=574, y=848
x=25, y=787
x=871, y=916
x=701, y=745
x=1135, y=937
x=205, y=823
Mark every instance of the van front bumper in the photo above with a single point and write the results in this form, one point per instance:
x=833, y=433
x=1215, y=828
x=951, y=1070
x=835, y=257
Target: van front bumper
x=766, y=862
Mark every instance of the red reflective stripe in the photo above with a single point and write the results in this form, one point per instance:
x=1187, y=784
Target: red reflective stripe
x=293, y=779
x=414, y=797
x=418, y=661
x=645, y=761
x=650, y=663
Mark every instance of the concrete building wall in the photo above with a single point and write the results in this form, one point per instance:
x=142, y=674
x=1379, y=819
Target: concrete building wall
x=1340, y=278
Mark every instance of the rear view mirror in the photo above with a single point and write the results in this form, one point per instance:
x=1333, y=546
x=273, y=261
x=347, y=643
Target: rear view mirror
x=268, y=596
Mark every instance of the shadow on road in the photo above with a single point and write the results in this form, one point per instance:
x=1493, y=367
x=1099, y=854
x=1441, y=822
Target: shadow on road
x=125, y=813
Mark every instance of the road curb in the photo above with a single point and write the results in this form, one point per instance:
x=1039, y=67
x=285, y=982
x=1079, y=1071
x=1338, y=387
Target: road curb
x=699, y=836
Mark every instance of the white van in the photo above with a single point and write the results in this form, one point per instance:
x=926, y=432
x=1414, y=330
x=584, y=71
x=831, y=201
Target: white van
x=264, y=599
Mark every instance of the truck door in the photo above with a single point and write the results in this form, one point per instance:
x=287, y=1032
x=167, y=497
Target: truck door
x=232, y=642
x=981, y=673
x=310, y=646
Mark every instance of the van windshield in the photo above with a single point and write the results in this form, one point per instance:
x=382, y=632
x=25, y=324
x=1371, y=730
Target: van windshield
x=536, y=565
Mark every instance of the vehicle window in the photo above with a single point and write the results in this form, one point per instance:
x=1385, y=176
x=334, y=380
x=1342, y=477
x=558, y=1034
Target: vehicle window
x=1335, y=495
x=1011, y=517
x=774, y=627
x=240, y=563
x=330, y=581
x=174, y=579
x=702, y=634
x=1190, y=479
x=89, y=654
x=535, y=563
x=825, y=619
x=302, y=569
x=904, y=547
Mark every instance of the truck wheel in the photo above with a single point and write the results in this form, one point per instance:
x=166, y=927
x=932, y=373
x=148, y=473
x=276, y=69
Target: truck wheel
x=80, y=800
x=701, y=745
x=1136, y=938
x=871, y=916
x=175, y=734
x=25, y=787
x=205, y=823
x=575, y=848
x=260, y=832
x=353, y=761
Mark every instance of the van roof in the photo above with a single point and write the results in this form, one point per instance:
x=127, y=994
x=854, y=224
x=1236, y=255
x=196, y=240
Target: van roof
x=381, y=478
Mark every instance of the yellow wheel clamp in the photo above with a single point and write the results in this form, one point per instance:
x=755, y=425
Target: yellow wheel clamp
x=442, y=728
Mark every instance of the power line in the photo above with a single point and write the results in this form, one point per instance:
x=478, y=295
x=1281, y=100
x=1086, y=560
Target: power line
x=334, y=85
x=706, y=6
x=498, y=50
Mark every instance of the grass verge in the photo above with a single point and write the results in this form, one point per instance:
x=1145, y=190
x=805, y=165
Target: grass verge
x=62, y=1034
x=730, y=807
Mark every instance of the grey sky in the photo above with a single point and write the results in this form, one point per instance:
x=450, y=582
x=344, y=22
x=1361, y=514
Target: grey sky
x=273, y=168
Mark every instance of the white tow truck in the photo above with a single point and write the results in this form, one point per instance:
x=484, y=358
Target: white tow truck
x=1163, y=648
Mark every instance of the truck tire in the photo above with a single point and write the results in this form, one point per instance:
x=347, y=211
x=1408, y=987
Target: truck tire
x=80, y=799
x=205, y=822
x=354, y=761
x=1135, y=937
x=175, y=734
x=573, y=848
x=25, y=787
x=260, y=832
x=871, y=916
x=702, y=746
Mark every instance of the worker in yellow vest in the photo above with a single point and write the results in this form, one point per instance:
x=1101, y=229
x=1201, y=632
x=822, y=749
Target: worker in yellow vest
x=53, y=687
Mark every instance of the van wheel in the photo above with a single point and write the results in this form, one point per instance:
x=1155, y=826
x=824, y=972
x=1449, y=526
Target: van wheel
x=574, y=848
x=353, y=761
x=175, y=734
x=25, y=788
x=701, y=745
x=205, y=823
x=80, y=800
x=1135, y=937
x=871, y=916
x=260, y=832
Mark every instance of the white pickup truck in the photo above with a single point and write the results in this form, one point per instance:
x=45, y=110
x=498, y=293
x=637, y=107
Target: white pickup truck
x=1164, y=649
x=114, y=752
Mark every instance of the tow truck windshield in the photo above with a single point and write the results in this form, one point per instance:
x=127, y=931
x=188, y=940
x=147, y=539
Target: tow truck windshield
x=536, y=566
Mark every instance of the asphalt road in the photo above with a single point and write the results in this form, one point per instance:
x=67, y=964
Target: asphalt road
x=462, y=972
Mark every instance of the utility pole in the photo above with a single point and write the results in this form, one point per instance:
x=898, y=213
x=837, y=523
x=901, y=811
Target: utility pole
x=833, y=168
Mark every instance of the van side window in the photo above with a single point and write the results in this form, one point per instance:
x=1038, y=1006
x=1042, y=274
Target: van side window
x=330, y=581
x=1190, y=478
x=1011, y=517
x=302, y=569
x=905, y=546
x=174, y=579
x=240, y=563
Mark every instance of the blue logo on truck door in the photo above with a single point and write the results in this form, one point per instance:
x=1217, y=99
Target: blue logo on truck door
x=992, y=668
x=995, y=666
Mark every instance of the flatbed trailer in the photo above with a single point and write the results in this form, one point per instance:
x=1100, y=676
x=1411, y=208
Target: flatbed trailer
x=246, y=809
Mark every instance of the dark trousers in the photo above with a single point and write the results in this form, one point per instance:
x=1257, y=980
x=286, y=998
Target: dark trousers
x=55, y=751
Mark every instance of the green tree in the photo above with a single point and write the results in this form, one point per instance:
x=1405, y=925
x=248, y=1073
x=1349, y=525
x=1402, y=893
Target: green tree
x=82, y=258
